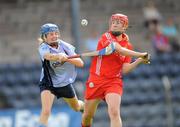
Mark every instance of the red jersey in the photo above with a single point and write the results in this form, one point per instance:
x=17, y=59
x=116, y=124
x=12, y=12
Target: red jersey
x=110, y=66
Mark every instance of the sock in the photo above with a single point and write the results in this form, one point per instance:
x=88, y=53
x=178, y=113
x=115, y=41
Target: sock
x=82, y=106
x=85, y=126
x=81, y=110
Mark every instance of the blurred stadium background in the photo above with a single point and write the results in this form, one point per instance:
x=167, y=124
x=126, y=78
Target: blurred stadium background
x=151, y=92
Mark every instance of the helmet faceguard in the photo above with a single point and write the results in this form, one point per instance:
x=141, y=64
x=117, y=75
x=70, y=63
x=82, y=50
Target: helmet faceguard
x=46, y=28
x=123, y=19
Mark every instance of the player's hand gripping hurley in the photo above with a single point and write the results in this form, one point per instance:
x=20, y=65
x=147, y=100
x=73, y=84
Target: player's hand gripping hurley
x=146, y=59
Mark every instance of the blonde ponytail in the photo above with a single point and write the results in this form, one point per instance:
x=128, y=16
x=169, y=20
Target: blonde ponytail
x=41, y=39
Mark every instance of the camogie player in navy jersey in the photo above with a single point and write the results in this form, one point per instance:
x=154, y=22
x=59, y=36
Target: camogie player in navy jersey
x=58, y=72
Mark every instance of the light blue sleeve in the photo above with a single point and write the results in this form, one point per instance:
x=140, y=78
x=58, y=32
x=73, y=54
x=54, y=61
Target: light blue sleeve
x=68, y=47
x=43, y=49
x=72, y=48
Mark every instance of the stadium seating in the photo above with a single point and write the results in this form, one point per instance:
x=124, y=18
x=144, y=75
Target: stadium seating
x=143, y=103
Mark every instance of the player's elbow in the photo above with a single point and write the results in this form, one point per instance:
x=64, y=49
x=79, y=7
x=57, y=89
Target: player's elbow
x=125, y=72
x=126, y=68
x=80, y=64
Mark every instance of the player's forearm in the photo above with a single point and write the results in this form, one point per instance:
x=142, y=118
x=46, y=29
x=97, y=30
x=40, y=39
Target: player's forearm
x=76, y=61
x=130, y=67
x=52, y=57
x=127, y=52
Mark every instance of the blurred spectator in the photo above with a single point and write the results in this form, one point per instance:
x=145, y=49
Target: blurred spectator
x=91, y=42
x=152, y=17
x=170, y=31
x=160, y=42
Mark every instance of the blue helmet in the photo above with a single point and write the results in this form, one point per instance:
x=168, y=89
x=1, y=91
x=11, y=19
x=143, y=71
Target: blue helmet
x=48, y=27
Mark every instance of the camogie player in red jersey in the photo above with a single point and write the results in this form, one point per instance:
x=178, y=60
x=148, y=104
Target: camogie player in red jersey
x=105, y=79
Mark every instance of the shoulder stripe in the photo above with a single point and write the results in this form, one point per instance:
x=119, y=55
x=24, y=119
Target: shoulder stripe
x=108, y=36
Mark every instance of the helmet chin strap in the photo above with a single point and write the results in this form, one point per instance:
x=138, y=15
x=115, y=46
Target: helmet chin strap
x=53, y=44
x=116, y=33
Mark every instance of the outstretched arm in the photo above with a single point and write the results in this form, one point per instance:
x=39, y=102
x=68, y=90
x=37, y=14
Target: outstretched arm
x=55, y=57
x=61, y=58
x=76, y=61
x=128, y=67
x=127, y=52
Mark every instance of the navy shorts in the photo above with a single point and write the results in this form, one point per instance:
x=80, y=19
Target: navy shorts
x=65, y=91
